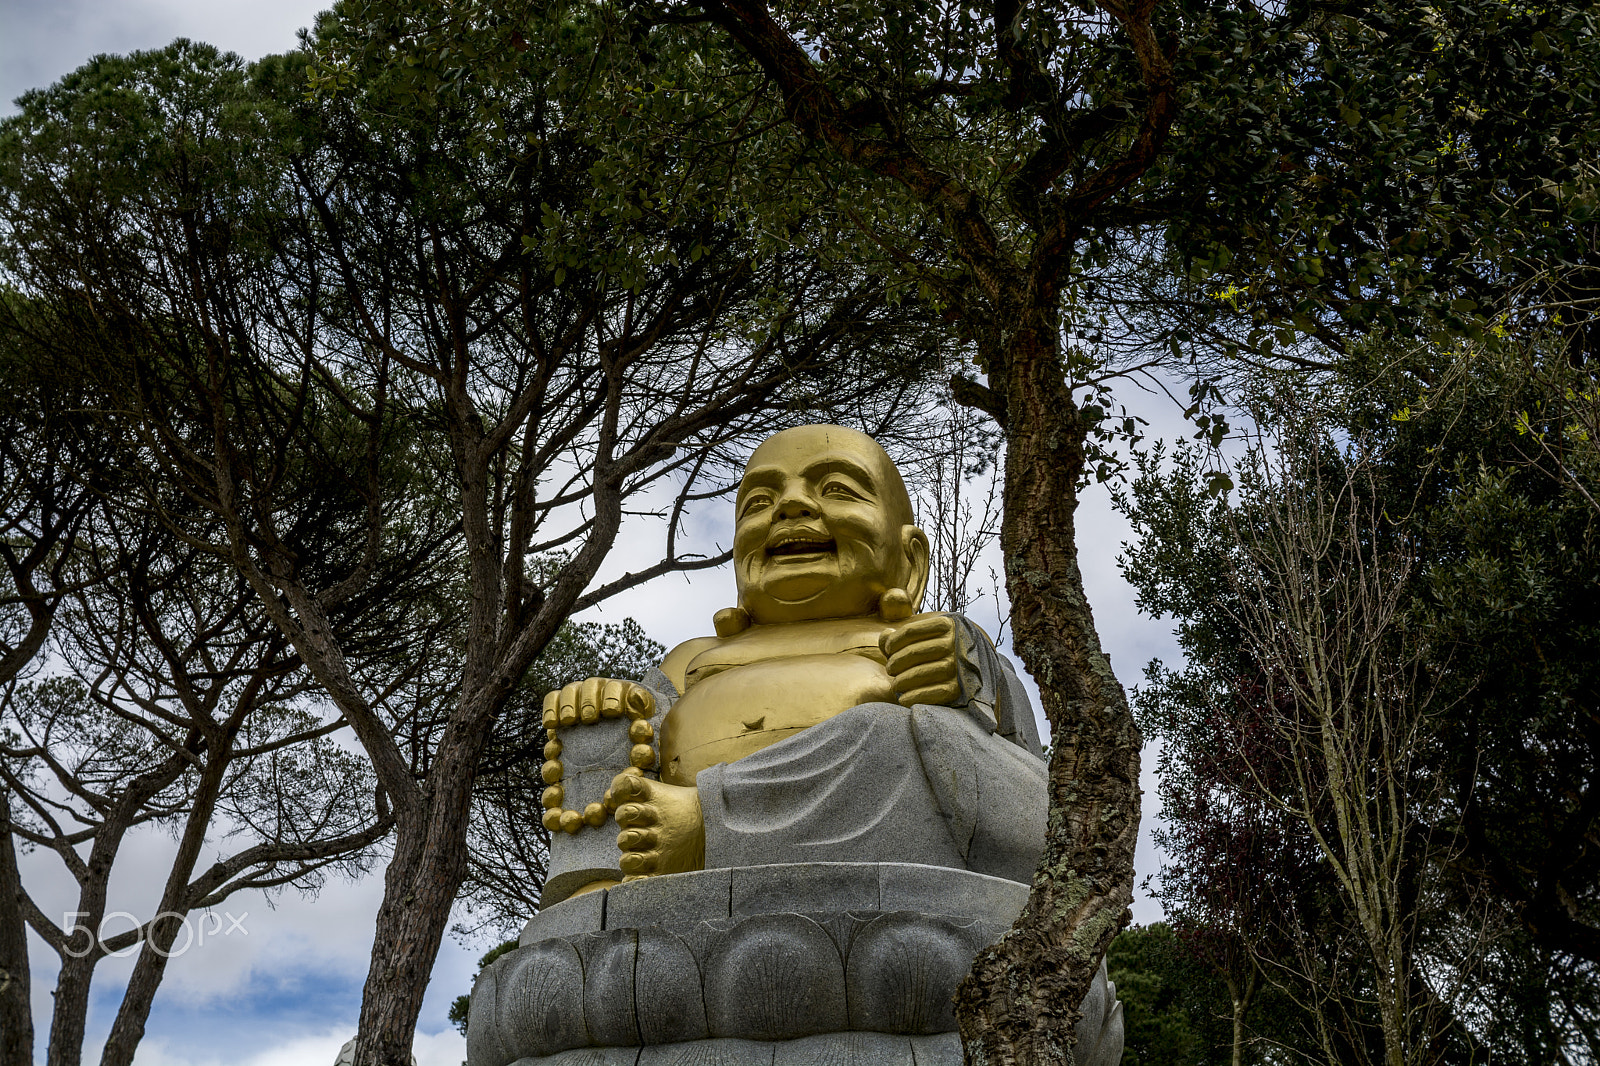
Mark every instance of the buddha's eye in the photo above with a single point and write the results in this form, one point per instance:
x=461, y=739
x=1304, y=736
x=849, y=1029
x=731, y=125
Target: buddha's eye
x=837, y=489
x=755, y=502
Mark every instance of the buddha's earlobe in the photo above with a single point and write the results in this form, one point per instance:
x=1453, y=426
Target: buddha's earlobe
x=731, y=621
x=914, y=543
x=895, y=606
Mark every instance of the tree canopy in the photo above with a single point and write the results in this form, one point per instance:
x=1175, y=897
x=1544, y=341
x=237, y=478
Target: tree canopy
x=345, y=351
x=396, y=328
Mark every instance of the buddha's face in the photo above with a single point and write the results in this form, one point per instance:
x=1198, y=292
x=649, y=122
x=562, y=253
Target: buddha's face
x=823, y=528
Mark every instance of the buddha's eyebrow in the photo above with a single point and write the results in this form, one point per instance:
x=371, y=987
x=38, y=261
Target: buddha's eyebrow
x=832, y=463
x=761, y=477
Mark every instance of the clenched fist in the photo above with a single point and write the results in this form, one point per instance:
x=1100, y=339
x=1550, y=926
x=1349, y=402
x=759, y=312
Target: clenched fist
x=925, y=660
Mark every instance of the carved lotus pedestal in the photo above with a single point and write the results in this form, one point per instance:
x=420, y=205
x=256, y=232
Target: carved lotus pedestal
x=845, y=964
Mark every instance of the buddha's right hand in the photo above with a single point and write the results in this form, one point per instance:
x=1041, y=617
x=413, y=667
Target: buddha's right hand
x=594, y=698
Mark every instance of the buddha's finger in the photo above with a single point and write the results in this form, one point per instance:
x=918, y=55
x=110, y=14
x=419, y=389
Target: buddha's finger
x=926, y=627
x=589, y=699
x=611, y=698
x=636, y=839
x=552, y=704
x=568, y=704
x=640, y=702
x=637, y=862
x=635, y=815
x=932, y=673
x=938, y=695
x=926, y=651
x=626, y=788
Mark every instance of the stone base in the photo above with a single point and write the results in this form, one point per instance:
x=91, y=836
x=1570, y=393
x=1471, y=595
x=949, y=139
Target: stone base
x=836, y=963
x=827, y=1049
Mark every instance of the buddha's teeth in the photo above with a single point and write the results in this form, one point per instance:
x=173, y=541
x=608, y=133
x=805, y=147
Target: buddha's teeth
x=800, y=546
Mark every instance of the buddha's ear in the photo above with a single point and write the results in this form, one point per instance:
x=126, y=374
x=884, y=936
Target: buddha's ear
x=914, y=545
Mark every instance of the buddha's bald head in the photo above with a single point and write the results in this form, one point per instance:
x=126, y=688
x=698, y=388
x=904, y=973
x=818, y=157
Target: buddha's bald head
x=823, y=527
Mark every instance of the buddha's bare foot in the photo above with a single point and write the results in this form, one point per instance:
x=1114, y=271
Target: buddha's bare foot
x=662, y=830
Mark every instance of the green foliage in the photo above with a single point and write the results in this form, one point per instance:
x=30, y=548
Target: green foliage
x=1394, y=162
x=1154, y=984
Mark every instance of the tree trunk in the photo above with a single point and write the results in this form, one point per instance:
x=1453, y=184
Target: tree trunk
x=71, y=1013
x=1019, y=1004
x=419, y=889
x=128, y=1028
x=81, y=952
x=1240, y=1001
x=70, y=1016
x=1238, y=1031
x=16, y=1013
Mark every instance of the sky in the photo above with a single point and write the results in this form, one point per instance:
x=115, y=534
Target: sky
x=278, y=982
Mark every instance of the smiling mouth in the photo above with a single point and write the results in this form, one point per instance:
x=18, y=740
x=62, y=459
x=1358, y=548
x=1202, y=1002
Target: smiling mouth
x=802, y=546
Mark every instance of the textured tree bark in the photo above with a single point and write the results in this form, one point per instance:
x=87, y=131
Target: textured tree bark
x=420, y=886
x=1019, y=1004
x=71, y=1014
x=16, y=1014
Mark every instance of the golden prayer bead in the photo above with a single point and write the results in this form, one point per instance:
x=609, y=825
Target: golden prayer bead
x=552, y=819
x=594, y=814
x=551, y=772
x=571, y=821
x=552, y=750
x=552, y=797
x=640, y=732
x=642, y=756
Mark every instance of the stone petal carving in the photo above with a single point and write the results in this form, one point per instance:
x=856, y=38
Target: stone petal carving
x=646, y=973
x=540, y=1005
x=1100, y=1030
x=709, y=1053
x=903, y=969
x=483, y=1034
x=667, y=989
x=587, y=1056
x=846, y=1049
x=608, y=982
x=775, y=977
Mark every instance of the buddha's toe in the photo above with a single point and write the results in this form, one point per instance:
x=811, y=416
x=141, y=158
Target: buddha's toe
x=661, y=825
x=626, y=789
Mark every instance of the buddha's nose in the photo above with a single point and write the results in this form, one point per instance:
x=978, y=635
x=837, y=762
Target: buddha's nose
x=797, y=505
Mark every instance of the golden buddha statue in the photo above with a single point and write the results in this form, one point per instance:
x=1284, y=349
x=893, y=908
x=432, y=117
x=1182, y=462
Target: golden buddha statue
x=830, y=570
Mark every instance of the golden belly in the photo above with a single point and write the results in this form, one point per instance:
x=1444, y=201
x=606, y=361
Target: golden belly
x=739, y=711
